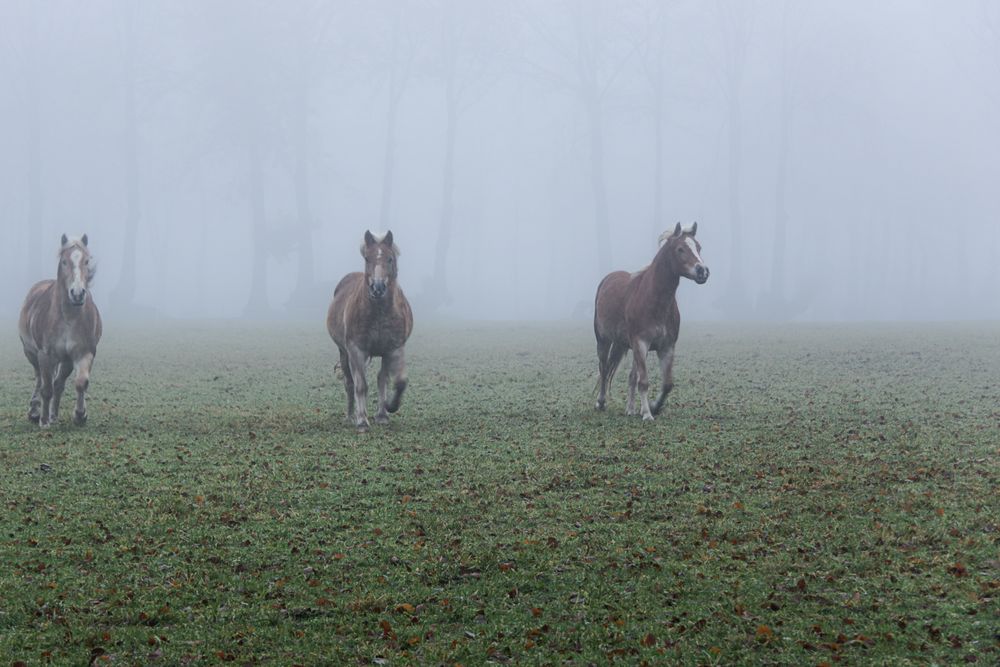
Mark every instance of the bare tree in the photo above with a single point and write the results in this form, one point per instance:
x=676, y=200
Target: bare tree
x=402, y=50
x=651, y=45
x=311, y=25
x=123, y=296
x=734, y=20
x=775, y=302
x=587, y=69
x=469, y=47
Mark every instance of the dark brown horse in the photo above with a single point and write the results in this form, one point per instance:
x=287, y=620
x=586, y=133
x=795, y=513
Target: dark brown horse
x=60, y=328
x=370, y=317
x=639, y=311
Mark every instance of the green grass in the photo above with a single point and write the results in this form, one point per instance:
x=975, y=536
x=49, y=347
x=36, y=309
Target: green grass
x=812, y=494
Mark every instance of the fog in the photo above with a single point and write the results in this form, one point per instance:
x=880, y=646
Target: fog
x=841, y=158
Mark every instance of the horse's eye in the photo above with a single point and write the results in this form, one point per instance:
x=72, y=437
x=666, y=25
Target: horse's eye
x=64, y=262
x=681, y=249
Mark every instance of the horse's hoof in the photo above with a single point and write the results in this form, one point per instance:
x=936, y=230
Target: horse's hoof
x=34, y=418
x=648, y=417
x=80, y=418
x=43, y=425
x=382, y=419
x=363, y=427
x=599, y=406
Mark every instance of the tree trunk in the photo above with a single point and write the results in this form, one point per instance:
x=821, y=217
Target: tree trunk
x=32, y=109
x=658, y=225
x=781, y=185
x=306, y=271
x=396, y=84
x=737, y=291
x=439, y=284
x=598, y=185
x=257, y=301
x=124, y=294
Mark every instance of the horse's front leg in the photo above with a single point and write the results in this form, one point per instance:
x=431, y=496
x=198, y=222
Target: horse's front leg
x=35, y=404
x=640, y=348
x=666, y=375
x=63, y=370
x=46, y=368
x=632, y=379
x=82, y=384
x=345, y=367
x=358, y=362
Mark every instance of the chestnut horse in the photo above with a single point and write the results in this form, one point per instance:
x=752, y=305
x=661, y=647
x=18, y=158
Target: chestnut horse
x=370, y=317
x=60, y=328
x=639, y=312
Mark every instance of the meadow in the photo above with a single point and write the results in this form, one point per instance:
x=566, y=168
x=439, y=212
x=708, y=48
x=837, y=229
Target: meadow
x=812, y=494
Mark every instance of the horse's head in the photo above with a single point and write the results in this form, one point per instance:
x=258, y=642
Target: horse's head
x=76, y=270
x=684, y=253
x=380, y=263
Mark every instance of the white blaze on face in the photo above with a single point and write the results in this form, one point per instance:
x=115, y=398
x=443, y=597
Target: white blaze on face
x=78, y=281
x=694, y=249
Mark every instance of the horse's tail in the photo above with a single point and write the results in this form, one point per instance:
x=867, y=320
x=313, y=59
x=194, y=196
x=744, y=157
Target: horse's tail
x=615, y=359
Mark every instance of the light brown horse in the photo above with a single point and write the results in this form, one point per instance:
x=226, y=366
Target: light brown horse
x=60, y=328
x=639, y=311
x=370, y=317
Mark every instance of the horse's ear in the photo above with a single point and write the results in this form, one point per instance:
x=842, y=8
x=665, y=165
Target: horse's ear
x=694, y=229
x=83, y=239
x=387, y=239
x=678, y=229
x=369, y=239
x=65, y=240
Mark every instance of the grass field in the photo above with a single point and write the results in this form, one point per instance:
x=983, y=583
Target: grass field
x=812, y=494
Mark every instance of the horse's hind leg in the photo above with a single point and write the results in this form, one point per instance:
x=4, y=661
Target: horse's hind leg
x=639, y=349
x=345, y=366
x=382, y=415
x=58, y=386
x=396, y=371
x=603, y=356
x=667, y=377
x=82, y=383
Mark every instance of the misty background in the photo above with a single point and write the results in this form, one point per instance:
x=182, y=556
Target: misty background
x=842, y=158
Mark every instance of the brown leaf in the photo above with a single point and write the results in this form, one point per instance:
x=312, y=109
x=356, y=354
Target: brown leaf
x=406, y=607
x=648, y=640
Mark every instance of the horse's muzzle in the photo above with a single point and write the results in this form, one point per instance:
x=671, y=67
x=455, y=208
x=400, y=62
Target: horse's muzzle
x=377, y=289
x=701, y=273
x=77, y=297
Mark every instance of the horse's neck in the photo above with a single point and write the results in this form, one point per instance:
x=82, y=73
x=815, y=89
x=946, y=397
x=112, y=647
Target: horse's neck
x=662, y=283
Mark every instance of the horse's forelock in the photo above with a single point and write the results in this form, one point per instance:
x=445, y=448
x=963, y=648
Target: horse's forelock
x=379, y=238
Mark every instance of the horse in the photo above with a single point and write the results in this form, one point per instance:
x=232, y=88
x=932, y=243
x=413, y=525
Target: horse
x=60, y=327
x=639, y=311
x=370, y=317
